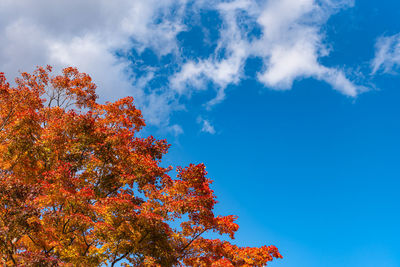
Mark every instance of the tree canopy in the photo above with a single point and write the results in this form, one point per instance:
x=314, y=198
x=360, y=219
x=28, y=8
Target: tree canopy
x=79, y=187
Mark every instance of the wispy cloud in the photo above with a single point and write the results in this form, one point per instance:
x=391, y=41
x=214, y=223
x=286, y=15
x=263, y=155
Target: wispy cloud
x=206, y=126
x=387, y=54
x=98, y=36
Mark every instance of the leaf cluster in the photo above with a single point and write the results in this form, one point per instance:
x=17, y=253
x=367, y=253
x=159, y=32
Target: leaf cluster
x=78, y=187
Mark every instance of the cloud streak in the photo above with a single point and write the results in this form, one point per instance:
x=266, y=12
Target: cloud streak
x=387, y=54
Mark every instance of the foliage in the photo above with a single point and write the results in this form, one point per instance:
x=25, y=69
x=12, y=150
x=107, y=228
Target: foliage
x=78, y=187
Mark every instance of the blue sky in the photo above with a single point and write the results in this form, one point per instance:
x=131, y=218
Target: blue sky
x=293, y=106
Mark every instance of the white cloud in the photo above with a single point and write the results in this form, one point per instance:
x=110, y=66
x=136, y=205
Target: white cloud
x=387, y=54
x=221, y=71
x=293, y=42
x=206, y=125
x=87, y=34
x=290, y=45
x=175, y=129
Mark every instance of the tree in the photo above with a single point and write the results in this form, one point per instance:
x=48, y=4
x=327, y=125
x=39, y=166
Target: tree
x=78, y=187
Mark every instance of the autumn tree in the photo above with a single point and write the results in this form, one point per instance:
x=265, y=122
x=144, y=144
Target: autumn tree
x=79, y=188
